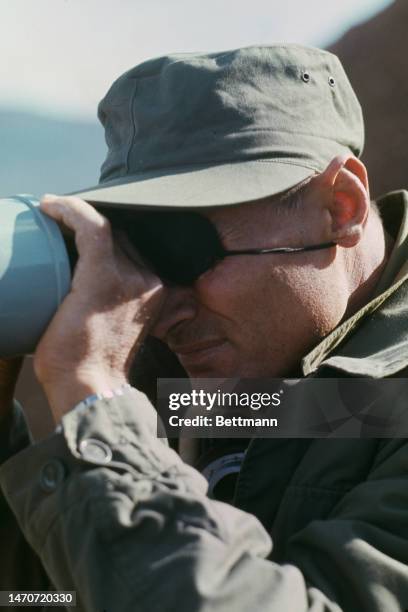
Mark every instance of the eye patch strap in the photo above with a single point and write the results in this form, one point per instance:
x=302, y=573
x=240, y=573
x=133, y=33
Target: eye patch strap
x=313, y=247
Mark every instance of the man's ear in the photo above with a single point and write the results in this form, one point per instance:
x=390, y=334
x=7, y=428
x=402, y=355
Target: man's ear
x=346, y=199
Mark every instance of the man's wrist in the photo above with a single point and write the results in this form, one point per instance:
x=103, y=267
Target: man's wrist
x=108, y=394
x=64, y=395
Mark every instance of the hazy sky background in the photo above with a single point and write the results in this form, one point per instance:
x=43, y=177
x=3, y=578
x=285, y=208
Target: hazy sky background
x=60, y=56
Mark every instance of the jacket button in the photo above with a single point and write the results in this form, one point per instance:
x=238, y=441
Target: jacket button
x=52, y=475
x=95, y=451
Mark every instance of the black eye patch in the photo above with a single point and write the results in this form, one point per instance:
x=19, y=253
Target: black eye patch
x=179, y=246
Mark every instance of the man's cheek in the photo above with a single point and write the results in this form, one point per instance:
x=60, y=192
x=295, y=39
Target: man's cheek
x=224, y=287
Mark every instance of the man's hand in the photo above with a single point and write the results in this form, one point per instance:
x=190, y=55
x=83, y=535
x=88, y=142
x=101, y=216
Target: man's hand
x=90, y=343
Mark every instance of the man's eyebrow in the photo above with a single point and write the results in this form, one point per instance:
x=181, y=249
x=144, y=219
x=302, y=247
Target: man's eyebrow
x=234, y=231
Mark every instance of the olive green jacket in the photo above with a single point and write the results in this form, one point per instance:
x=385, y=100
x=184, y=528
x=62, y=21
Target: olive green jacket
x=317, y=525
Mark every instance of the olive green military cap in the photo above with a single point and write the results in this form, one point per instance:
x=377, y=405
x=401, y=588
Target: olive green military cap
x=211, y=129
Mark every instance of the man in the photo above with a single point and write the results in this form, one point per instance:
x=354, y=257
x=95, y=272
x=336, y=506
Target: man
x=263, y=142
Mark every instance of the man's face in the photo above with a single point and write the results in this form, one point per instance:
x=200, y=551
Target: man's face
x=254, y=315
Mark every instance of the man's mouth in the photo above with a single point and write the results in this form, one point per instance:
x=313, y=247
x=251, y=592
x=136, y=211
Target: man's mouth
x=196, y=349
x=200, y=358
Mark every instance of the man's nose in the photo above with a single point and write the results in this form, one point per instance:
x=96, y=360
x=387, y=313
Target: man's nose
x=179, y=306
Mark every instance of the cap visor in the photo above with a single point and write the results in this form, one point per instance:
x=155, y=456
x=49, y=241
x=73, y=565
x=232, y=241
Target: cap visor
x=199, y=186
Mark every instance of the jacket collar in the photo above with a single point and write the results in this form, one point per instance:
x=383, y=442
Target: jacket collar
x=374, y=341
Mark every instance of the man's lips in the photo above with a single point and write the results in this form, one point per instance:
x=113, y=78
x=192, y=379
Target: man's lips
x=198, y=347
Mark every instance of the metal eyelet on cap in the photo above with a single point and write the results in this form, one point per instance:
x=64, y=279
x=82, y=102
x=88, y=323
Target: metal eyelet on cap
x=305, y=77
x=332, y=82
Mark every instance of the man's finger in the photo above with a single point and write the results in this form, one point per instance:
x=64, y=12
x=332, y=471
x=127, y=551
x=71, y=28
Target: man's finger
x=92, y=230
x=70, y=210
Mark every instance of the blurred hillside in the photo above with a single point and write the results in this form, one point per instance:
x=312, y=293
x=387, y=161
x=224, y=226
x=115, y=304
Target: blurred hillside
x=39, y=153
x=375, y=58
